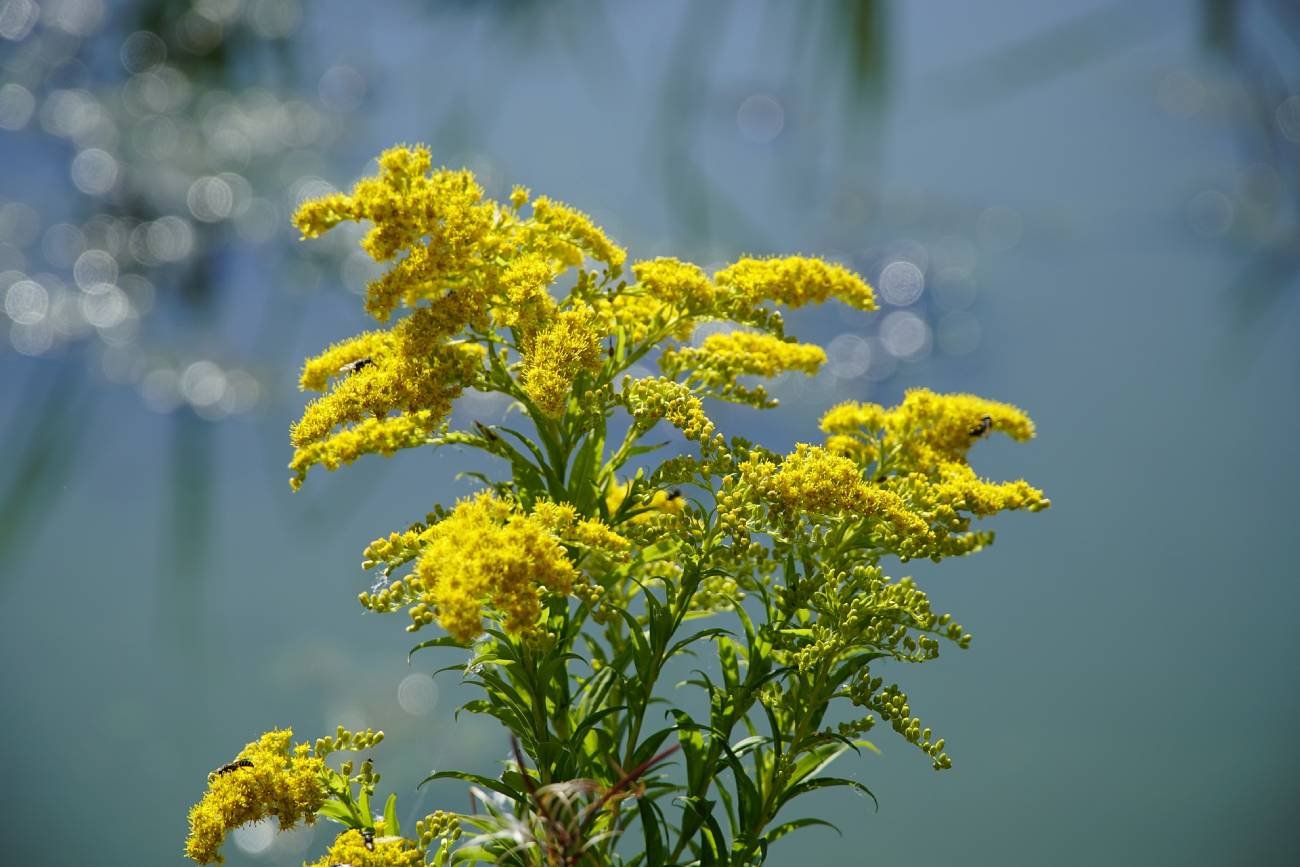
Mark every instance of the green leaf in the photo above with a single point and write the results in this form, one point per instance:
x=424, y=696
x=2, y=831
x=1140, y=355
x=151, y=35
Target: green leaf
x=477, y=779
x=391, y=825
x=444, y=641
x=730, y=664
x=649, y=746
x=344, y=814
x=363, y=807
x=786, y=827
x=825, y=783
x=703, y=633
x=816, y=760
x=476, y=854
x=652, y=830
x=690, y=735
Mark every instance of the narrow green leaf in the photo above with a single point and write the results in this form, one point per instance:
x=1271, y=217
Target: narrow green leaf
x=652, y=831
x=786, y=827
x=391, y=825
x=444, y=641
x=477, y=779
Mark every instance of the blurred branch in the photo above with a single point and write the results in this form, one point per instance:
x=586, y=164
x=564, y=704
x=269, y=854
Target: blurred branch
x=43, y=438
x=1066, y=48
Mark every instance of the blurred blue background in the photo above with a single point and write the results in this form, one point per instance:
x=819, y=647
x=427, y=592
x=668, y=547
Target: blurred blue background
x=1090, y=209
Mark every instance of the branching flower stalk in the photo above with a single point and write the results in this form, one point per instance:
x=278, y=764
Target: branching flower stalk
x=592, y=565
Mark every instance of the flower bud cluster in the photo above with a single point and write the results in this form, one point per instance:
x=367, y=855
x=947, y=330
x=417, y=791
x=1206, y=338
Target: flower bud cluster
x=892, y=706
x=345, y=740
x=653, y=398
x=439, y=825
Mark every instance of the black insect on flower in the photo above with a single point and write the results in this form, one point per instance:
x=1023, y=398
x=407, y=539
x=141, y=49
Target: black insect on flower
x=982, y=429
x=354, y=366
x=230, y=768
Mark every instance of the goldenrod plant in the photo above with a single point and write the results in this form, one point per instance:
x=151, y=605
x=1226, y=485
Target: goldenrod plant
x=572, y=585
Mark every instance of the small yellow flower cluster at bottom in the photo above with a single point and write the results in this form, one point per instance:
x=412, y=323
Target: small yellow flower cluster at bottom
x=266, y=780
x=350, y=848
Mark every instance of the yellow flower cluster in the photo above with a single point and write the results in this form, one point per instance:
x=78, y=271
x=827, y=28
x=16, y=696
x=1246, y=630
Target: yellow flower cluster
x=525, y=288
x=918, y=451
x=485, y=558
x=411, y=370
x=372, y=436
x=640, y=316
x=440, y=219
x=267, y=779
x=591, y=533
x=569, y=346
x=464, y=263
x=925, y=431
x=813, y=481
x=579, y=230
x=793, y=281
x=418, y=370
x=677, y=284
x=350, y=848
x=723, y=358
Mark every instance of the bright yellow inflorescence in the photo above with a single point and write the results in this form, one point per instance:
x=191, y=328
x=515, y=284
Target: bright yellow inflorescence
x=350, y=848
x=488, y=557
x=269, y=779
x=481, y=279
x=567, y=347
x=794, y=281
x=719, y=362
x=927, y=429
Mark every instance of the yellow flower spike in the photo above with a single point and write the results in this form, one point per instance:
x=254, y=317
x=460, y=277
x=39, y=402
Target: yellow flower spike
x=722, y=359
x=420, y=376
x=342, y=358
x=676, y=283
x=372, y=436
x=566, y=348
x=578, y=228
x=925, y=431
x=851, y=417
x=402, y=164
x=316, y=217
x=265, y=781
x=638, y=315
x=762, y=354
x=794, y=281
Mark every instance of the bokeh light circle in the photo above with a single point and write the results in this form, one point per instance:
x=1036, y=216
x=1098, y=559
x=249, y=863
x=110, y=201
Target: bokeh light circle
x=901, y=283
x=94, y=171
x=760, y=118
x=848, y=356
x=16, y=106
x=417, y=694
x=905, y=335
x=26, y=302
